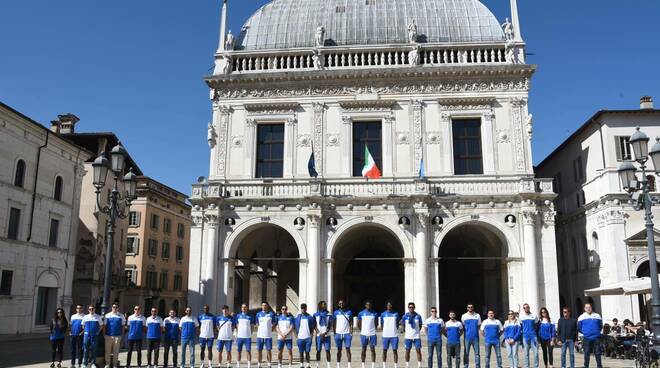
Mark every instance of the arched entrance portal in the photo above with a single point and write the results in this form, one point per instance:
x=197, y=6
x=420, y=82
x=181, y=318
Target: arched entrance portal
x=643, y=300
x=472, y=269
x=266, y=269
x=368, y=266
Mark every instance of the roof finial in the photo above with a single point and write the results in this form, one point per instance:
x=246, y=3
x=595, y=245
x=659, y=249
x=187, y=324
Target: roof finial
x=223, y=26
x=517, y=36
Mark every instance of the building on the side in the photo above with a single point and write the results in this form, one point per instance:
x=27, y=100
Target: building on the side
x=438, y=92
x=601, y=239
x=157, y=248
x=40, y=184
x=93, y=225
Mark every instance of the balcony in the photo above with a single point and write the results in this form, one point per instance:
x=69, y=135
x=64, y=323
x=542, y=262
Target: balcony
x=380, y=188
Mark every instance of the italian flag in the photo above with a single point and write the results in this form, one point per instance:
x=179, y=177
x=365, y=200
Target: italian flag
x=370, y=170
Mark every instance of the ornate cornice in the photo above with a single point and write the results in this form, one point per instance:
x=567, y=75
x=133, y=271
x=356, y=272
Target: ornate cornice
x=366, y=105
x=475, y=103
x=272, y=108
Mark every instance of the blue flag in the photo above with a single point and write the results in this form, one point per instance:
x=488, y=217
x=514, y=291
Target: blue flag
x=311, y=166
x=422, y=172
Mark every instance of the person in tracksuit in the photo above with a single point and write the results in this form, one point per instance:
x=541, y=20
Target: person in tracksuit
x=453, y=331
x=76, y=335
x=171, y=338
x=547, y=334
x=512, y=335
x=91, y=324
x=590, y=325
x=206, y=335
x=137, y=326
x=434, y=326
x=367, y=321
x=491, y=329
x=155, y=326
x=323, y=322
x=471, y=322
x=115, y=323
x=304, y=325
x=188, y=326
x=389, y=323
x=529, y=322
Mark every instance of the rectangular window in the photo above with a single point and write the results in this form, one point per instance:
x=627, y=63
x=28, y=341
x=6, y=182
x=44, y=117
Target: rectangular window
x=367, y=134
x=577, y=169
x=180, y=231
x=154, y=222
x=133, y=218
x=165, y=254
x=270, y=151
x=179, y=253
x=5, y=282
x=153, y=247
x=14, y=223
x=152, y=279
x=131, y=276
x=623, y=148
x=167, y=225
x=54, y=230
x=467, y=147
x=178, y=281
x=163, y=280
x=46, y=304
x=132, y=245
x=556, y=183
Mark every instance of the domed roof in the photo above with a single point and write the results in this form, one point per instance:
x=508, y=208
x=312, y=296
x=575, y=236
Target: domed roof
x=292, y=23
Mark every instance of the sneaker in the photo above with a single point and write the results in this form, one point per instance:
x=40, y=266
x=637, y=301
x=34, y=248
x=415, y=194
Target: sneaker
x=52, y=365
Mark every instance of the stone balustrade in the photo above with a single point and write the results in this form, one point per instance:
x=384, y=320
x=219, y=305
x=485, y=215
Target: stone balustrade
x=345, y=57
x=380, y=188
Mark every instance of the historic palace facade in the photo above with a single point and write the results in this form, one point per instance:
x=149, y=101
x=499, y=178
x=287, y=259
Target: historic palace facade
x=438, y=92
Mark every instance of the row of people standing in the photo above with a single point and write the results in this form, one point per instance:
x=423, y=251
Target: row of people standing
x=529, y=330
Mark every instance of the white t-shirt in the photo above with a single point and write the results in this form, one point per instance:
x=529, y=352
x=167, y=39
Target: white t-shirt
x=368, y=322
x=389, y=322
x=225, y=326
x=265, y=324
x=303, y=329
x=284, y=323
x=243, y=326
x=412, y=330
x=342, y=322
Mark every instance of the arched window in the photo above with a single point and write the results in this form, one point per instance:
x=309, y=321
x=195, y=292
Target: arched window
x=19, y=174
x=57, y=192
x=594, y=241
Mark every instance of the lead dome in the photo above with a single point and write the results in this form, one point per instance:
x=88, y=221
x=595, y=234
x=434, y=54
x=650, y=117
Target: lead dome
x=284, y=24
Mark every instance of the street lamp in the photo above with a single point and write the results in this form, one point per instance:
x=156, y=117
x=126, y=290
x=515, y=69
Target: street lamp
x=118, y=206
x=639, y=191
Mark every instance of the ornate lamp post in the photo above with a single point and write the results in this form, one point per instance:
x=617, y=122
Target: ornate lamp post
x=118, y=207
x=639, y=190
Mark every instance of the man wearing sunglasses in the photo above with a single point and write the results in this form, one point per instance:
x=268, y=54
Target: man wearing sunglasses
x=529, y=322
x=136, y=326
x=284, y=328
x=567, y=333
x=412, y=323
x=471, y=322
x=76, y=335
x=433, y=326
x=114, y=329
x=92, y=324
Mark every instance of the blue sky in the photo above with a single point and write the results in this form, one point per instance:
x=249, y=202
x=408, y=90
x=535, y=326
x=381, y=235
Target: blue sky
x=136, y=67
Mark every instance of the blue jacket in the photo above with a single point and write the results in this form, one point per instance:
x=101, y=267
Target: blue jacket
x=590, y=325
x=512, y=330
x=546, y=330
x=529, y=324
x=308, y=318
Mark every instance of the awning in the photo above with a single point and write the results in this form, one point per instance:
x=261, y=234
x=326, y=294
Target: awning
x=636, y=286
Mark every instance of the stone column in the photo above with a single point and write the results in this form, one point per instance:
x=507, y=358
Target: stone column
x=388, y=147
x=447, y=136
x=249, y=151
x=531, y=264
x=290, y=147
x=416, y=117
x=487, y=132
x=328, y=271
x=346, y=142
x=227, y=279
x=317, y=136
x=211, y=284
x=421, y=261
x=313, y=269
x=195, y=267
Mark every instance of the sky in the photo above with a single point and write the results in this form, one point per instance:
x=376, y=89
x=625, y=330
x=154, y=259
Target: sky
x=135, y=68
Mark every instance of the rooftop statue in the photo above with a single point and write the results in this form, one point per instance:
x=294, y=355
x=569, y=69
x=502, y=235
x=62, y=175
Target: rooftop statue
x=320, y=36
x=412, y=32
x=229, y=42
x=507, y=26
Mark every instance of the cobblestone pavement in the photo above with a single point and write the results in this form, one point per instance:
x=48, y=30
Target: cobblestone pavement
x=36, y=353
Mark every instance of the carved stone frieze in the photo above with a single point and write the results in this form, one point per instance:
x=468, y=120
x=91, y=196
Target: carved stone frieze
x=433, y=137
x=303, y=140
x=258, y=91
x=319, y=111
x=518, y=133
x=418, y=131
x=222, y=132
x=503, y=136
x=271, y=108
x=366, y=105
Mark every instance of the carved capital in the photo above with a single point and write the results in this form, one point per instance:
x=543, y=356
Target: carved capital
x=314, y=220
x=211, y=219
x=291, y=121
x=549, y=217
x=251, y=123
x=318, y=106
x=422, y=219
x=346, y=119
x=529, y=217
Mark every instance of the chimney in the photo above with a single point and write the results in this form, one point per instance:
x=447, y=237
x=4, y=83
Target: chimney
x=65, y=124
x=646, y=103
